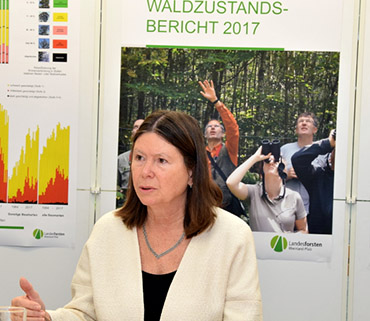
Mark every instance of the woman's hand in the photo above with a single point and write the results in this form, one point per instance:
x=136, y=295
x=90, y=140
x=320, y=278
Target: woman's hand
x=258, y=156
x=332, y=137
x=31, y=301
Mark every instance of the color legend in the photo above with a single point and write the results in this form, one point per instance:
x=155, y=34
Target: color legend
x=53, y=30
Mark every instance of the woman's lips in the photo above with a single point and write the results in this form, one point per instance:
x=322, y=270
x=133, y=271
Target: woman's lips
x=147, y=188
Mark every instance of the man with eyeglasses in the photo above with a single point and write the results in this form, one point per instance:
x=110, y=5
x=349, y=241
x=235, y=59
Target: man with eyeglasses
x=224, y=155
x=306, y=128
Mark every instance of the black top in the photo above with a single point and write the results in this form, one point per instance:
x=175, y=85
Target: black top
x=155, y=288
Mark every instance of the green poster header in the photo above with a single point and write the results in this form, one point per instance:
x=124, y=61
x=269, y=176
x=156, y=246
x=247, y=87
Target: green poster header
x=214, y=48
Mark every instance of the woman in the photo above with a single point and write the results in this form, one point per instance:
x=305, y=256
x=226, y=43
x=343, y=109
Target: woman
x=273, y=207
x=169, y=253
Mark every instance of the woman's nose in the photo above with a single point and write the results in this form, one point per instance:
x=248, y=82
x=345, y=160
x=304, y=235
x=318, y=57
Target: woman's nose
x=148, y=169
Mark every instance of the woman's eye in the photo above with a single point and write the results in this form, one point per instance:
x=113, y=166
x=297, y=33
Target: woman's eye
x=138, y=157
x=162, y=161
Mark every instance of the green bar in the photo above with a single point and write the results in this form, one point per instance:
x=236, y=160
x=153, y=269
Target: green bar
x=12, y=227
x=7, y=5
x=215, y=48
x=60, y=3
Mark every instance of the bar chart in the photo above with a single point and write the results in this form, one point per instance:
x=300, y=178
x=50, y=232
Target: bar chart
x=4, y=31
x=41, y=173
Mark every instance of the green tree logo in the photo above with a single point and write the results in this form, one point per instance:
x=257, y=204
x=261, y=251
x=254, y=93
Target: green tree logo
x=279, y=243
x=38, y=234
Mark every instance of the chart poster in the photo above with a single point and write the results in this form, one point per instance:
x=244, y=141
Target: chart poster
x=39, y=52
x=267, y=62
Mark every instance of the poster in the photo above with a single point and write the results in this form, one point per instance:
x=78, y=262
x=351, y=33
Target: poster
x=38, y=122
x=225, y=41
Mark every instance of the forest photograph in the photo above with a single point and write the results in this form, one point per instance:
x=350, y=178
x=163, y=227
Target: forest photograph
x=265, y=90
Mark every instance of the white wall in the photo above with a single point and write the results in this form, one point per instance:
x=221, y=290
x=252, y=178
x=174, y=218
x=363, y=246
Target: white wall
x=109, y=107
x=359, y=290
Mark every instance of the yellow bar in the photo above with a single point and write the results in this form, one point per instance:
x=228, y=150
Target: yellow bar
x=60, y=16
x=2, y=22
x=7, y=28
x=2, y=32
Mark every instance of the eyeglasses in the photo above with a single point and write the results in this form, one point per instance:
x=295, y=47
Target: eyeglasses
x=306, y=120
x=214, y=125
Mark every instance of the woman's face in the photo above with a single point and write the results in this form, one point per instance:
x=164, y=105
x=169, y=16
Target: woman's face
x=159, y=174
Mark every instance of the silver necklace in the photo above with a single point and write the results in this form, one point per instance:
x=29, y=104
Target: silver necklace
x=158, y=256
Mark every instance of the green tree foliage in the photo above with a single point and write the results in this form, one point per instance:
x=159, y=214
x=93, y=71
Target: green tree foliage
x=265, y=90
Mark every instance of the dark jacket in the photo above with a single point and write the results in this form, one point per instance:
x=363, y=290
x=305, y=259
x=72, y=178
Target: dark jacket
x=319, y=182
x=226, y=165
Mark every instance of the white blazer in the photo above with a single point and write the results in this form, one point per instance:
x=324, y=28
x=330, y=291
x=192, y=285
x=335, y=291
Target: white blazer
x=217, y=278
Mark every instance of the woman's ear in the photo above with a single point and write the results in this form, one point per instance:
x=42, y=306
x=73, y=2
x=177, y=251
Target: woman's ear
x=190, y=180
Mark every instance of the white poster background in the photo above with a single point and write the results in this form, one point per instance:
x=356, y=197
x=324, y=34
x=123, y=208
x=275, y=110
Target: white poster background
x=308, y=25
x=296, y=246
x=40, y=94
x=297, y=25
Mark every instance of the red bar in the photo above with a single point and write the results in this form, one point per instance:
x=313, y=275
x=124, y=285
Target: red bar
x=59, y=44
